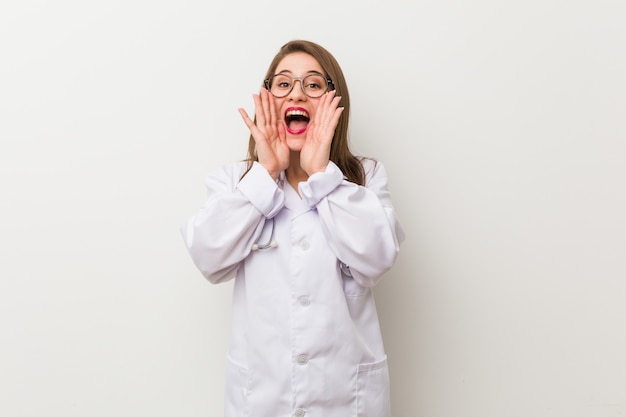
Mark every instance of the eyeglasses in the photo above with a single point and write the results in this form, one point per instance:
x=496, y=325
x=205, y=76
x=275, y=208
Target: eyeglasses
x=314, y=85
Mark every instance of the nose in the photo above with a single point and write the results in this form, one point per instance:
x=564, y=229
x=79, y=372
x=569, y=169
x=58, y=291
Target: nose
x=297, y=92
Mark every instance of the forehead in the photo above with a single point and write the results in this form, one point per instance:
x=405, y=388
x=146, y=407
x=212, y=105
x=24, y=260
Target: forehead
x=299, y=63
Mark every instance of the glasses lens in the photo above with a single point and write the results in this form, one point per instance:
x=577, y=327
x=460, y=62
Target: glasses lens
x=280, y=85
x=314, y=85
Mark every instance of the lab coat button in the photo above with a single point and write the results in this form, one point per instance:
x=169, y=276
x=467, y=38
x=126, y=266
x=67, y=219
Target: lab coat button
x=304, y=245
x=303, y=359
x=304, y=300
x=299, y=413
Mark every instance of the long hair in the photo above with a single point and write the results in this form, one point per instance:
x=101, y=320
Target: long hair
x=340, y=152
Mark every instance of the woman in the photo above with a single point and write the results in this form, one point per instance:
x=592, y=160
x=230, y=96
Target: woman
x=306, y=229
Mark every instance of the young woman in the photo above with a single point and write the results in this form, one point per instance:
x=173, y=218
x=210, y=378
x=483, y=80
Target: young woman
x=306, y=229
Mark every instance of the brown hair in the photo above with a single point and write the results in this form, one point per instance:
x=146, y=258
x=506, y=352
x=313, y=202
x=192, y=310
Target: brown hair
x=340, y=153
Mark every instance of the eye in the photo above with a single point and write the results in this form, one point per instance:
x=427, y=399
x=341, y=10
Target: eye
x=315, y=82
x=281, y=82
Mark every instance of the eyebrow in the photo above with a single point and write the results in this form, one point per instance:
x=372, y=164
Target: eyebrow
x=285, y=71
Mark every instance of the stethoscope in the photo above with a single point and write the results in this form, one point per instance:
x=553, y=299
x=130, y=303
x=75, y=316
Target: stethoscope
x=270, y=243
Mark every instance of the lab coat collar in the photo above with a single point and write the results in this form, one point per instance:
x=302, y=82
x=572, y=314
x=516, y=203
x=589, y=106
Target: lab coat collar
x=293, y=202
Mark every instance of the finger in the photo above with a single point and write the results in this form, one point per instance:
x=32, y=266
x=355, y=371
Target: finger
x=254, y=131
x=246, y=118
x=273, y=115
x=258, y=110
x=265, y=101
x=329, y=104
x=282, y=134
x=324, y=102
x=335, y=117
x=328, y=117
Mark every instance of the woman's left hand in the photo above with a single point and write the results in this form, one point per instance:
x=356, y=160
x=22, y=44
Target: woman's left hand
x=315, y=152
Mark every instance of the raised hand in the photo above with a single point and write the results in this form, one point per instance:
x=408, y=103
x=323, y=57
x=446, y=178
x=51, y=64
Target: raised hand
x=315, y=152
x=268, y=133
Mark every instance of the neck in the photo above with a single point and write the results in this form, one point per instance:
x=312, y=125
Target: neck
x=294, y=171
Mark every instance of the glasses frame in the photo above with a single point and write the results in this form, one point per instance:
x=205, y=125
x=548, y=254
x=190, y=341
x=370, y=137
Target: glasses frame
x=330, y=86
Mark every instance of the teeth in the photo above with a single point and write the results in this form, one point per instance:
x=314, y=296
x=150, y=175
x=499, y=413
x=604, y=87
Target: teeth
x=297, y=113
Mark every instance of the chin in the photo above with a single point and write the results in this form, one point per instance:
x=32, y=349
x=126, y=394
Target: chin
x=295, y=143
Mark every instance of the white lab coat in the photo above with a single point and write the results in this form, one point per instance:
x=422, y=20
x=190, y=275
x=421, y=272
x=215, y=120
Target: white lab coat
x=305, y=337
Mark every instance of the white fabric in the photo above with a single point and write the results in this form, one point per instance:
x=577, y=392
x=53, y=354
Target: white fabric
x=305, y=333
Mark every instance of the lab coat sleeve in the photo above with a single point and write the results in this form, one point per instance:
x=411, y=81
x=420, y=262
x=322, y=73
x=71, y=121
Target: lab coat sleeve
x=358, y=221
x=222, y=232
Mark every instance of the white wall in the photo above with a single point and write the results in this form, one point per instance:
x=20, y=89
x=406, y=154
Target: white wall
x=502, y=125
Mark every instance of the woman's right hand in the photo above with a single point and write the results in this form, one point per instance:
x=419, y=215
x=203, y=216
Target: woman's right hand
x=268, y=133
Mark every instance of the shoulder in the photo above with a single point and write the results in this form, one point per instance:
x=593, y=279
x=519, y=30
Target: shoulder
x=227, y=174
x=373, y=169
x=231, y=169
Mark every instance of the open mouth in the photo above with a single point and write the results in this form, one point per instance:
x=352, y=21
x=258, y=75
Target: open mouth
x=296, y=120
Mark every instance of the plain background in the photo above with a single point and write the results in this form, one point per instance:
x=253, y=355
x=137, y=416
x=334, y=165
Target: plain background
x=502, y=126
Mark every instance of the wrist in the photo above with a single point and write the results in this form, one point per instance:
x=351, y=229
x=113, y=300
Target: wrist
x=315, y=170
x=273, y=172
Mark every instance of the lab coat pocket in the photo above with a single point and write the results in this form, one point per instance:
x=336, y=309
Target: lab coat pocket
x=373, y=389
x=237, y=387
